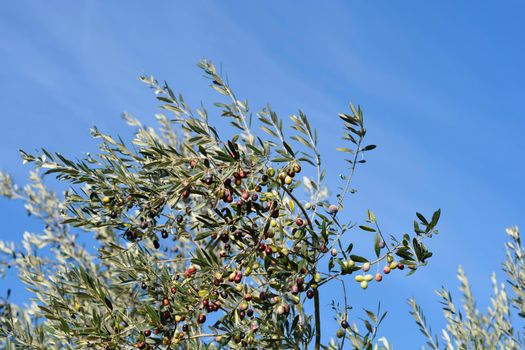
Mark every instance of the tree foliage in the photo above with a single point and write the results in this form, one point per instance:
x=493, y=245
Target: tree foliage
x=201, y=240
x=469, y=329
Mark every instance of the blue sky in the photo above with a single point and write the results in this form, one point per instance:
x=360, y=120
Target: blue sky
x=441, y=84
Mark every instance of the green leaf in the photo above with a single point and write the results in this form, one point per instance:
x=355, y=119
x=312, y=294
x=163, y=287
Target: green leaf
x=344, y=149
x=358, y=258
x=422, y=218
x=377, y=242
x=288, y=149
x=435, y=218
x=371, y=216
x=368, y=148
x=367, y=228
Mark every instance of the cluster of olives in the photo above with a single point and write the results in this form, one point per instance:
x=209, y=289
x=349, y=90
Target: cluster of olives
x=242, y=196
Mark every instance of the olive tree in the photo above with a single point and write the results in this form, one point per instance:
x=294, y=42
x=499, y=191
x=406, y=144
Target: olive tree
x=467, y=328
x=201, y=240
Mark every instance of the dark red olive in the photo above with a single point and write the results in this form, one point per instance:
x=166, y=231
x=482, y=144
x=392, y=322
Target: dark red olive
x=294, y=290
x=310, y=294
x=238, y=234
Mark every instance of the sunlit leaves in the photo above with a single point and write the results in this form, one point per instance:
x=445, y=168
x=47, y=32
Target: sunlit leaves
x=193, y=231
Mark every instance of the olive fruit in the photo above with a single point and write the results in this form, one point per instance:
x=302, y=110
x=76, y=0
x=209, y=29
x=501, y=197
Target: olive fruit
x=340, y=333
x=243, y=306
x=238, y=277
x=294, y=290
x=282, y=309
x=317, y=278
x=201, y=319
x=208, y=179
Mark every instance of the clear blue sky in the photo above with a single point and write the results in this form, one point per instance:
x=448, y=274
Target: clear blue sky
x=441, y=84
